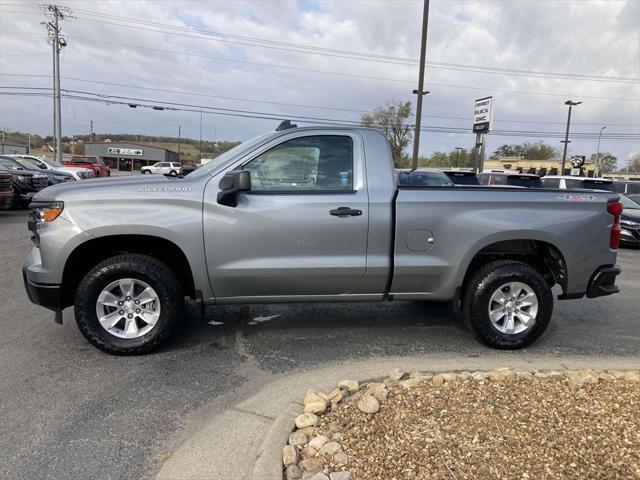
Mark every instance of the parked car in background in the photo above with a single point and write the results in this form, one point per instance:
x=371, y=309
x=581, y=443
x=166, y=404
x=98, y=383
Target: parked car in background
x=6, y=189
x=53, y=176
x=78, y=173
x=25, y=184
x=462, y=177
x=100, y=169
x=188, y=168
x=510, y=179
x=166, y=168
x=630, y=222
x=568, y=182
x=312, y=214
x=628, y=187
x=423, y=178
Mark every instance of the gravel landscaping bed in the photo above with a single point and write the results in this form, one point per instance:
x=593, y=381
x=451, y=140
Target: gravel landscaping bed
x=503, y=424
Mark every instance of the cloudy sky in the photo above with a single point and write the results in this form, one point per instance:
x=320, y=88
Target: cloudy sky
x=331, y=60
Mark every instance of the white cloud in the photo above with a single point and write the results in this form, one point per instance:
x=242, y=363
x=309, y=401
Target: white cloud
x=581, y=37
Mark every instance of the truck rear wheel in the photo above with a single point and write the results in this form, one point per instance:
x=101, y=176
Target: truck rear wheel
x=128, y=304
x=507, y=304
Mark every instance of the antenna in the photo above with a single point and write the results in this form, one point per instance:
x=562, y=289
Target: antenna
x=286, y=125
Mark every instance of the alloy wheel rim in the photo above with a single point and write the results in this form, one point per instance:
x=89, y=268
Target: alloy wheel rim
x=128, y=308
x=513, y=308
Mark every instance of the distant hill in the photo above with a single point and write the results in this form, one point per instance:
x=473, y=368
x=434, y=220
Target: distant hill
x=189, y=147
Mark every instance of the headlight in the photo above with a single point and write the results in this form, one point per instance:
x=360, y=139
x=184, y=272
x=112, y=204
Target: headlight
x=44, y=212
x=21, y=179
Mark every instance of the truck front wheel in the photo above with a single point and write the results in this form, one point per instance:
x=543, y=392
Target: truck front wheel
x=507, y=304
x=128, y=304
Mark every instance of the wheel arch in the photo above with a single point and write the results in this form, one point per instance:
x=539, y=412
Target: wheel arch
x=93, y=251
x=541, y=254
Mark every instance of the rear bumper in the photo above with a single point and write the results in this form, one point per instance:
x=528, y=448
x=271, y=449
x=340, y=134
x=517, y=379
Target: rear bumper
x=48, y=296
x=603, y=281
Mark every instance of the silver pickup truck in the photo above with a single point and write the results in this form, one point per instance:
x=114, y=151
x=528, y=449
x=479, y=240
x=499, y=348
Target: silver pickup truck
x=312, y=215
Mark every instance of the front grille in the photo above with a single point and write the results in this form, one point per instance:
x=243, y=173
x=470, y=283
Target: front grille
x=39, y=182
x=5, y=183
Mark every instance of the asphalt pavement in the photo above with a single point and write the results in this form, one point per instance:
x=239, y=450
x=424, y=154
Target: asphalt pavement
x=70, y=411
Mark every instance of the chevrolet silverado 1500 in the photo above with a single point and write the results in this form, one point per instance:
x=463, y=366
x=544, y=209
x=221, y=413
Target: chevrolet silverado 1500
x=313, y=215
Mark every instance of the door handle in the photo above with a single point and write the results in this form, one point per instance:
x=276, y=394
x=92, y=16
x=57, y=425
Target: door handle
x=345, y=212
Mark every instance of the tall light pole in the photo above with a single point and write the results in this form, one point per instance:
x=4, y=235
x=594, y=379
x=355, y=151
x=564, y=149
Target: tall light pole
x=420, y=92
x=571, y=104
x=598, y=149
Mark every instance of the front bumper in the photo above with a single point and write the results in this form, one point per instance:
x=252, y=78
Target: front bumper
x=48, y=296
x=603, y=281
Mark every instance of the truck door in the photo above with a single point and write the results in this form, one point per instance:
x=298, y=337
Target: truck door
x=301, y=230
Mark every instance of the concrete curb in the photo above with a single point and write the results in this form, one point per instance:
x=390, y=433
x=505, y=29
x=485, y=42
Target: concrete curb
x=269, y=458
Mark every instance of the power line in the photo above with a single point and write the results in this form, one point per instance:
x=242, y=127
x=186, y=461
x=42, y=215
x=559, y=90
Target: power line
x=365, y=77
x=176, y=106
x=206, y=95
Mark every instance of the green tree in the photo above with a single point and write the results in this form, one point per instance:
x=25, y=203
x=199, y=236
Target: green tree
x=393, y=119
x=607, y=160
x=528, y=150
x=634, y=163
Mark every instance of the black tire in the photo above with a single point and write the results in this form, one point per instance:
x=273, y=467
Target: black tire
x=173, y=173
x=141, y=267
x=481, y=287
x=145, y=171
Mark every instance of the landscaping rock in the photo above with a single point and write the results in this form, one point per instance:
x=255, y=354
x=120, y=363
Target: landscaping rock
x=396, y=374
x=351, y=385
x=289, y=455
x=310, y=464
x=410, y=382
x=318, y=442
x=319, y=476
x=341, y=458
x=368, y=404
x=379, y=391
x=339, y=475
x=330, y=449
x=308, y=452
x=297, y=438
x=306, y=420
x=293, y=472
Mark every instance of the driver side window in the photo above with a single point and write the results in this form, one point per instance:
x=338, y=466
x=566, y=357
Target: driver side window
x=323, y=162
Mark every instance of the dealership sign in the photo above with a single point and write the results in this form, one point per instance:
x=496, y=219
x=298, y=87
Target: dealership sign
x=483, y=115
x=125, y=151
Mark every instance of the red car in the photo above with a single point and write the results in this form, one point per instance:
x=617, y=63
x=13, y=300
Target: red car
x=96, y=164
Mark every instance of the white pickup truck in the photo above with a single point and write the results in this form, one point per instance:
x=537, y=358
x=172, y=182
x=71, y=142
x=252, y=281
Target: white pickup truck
x=313, y=215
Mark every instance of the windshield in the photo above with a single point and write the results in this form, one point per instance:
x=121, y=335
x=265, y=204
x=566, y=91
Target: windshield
x=28, y=163
x=424, y=179
x=238, y=151
x=590, y=184
x=629, y=204
x=463, y=178
x=8, y=163
x=529, y=182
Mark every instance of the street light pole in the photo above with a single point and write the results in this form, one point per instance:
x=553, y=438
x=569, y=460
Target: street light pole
x=571, y=103
x=457, y=155
x=598, y=149
x=420, y=92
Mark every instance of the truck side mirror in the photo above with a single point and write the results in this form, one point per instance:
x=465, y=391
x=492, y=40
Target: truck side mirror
x=231, y=184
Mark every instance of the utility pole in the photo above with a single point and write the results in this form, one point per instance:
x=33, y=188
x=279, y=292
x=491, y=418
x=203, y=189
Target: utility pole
x=57, y=42
x=91, y=130
x=179, y=135
x=420, y=92
x=566, y=140
x=458, y=155
x=200, y=145
x=598, y=149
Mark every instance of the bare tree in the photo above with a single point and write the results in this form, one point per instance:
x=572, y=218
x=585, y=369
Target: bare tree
x=392, y=119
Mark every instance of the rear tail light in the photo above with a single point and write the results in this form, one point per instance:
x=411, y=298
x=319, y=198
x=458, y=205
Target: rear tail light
x=615, y=209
